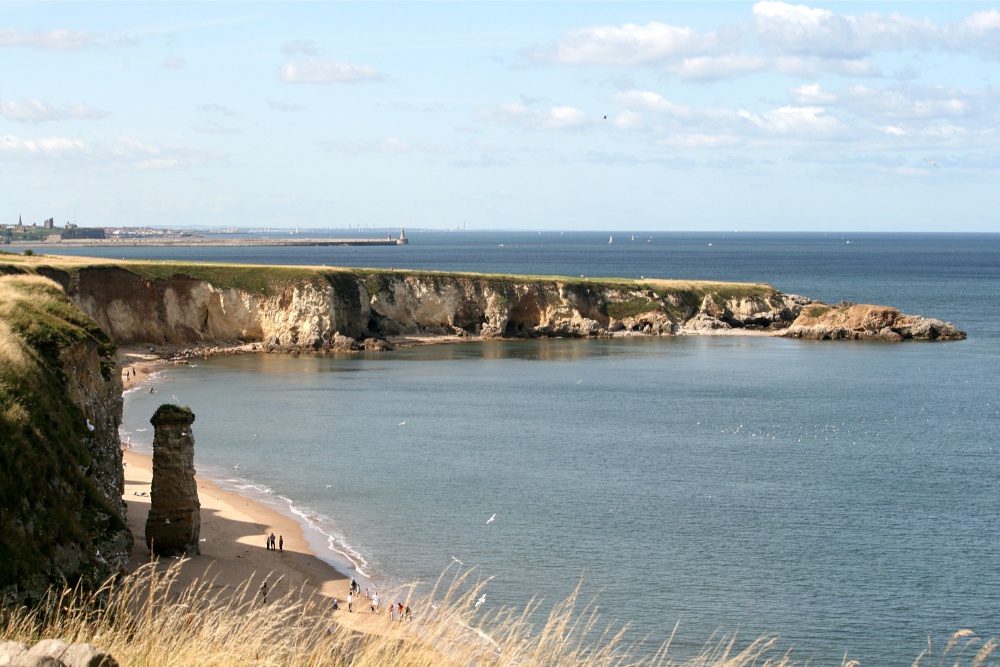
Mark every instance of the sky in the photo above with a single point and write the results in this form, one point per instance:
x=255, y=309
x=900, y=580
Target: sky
x=621, y=116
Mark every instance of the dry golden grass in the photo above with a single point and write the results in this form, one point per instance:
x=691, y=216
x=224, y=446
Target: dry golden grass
x=145, y=620
x=12, y=355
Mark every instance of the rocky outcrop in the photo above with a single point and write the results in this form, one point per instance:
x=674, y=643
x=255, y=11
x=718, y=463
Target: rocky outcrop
x=174, y=522
x=54, y=653
x=61, y=476
x=848, y=321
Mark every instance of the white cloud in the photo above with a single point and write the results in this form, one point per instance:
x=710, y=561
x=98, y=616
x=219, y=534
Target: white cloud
x=520, y=115
x=812, y=93
x=173, y=63
x=797, y=40
x=916, y=103
x=325, y=71
x=15, y=148
x=37, y=111
x=977, y=32
x=851, y=67
x=801, y=30
x=650, y=101
x=51, y=40
x=629, y=45
x=123, y=154
x=714, y=68
x=629, y=120
x=719, y=127
x=800, y=121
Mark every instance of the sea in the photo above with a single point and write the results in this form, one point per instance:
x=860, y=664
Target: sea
x=841, y=496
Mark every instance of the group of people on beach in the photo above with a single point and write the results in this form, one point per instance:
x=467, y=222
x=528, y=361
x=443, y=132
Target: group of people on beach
x=400, y=611
x=270, y=542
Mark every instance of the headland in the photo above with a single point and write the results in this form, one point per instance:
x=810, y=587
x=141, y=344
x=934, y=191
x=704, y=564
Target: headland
x=276, y=308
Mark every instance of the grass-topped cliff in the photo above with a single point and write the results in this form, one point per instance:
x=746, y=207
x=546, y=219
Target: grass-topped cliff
x=59, y=410
x=192, y=304
x=184, y=303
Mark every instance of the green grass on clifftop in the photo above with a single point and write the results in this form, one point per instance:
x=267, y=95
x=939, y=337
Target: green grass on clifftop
x=269, y=279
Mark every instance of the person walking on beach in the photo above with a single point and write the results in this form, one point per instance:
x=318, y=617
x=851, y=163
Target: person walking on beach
x=263, y=592
x=350, y=601
x=272, y=541
x=375, y=602
x=399, y=609
x=281, y=542
x=267, y=542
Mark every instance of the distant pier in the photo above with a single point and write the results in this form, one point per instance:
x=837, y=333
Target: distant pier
x=214, y=242
x=202, y=242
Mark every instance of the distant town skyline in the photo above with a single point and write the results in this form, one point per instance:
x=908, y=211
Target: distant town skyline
x=617, y=116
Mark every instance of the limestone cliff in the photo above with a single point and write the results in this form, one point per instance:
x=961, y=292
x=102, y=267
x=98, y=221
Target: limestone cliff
x=61, y=481
x=319, y=309
x=327, y=309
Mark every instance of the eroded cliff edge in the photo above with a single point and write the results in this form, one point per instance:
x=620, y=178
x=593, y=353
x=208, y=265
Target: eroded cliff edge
x=276, y=307
x=61, y=481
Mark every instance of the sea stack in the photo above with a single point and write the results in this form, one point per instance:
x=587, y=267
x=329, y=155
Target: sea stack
x=174, y=521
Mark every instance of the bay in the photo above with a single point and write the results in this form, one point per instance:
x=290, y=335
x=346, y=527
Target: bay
x=841, y=495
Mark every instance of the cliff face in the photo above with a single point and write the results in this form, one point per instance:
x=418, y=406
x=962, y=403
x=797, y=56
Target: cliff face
x=61, y=476
x=334, y=309
x=182, y=310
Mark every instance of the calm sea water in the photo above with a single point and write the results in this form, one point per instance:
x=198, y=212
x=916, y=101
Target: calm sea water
x=841, y=495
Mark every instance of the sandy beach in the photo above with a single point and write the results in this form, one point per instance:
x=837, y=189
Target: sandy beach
x=233, y=536
x=233, y=548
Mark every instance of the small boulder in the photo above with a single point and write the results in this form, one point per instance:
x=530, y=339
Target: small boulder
x=54, y=653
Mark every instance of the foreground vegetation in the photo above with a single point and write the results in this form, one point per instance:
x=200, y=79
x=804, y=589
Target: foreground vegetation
x=146, y=620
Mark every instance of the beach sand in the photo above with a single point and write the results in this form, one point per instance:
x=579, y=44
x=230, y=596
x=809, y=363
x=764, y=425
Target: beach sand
x=233, y=550
x=233, y=537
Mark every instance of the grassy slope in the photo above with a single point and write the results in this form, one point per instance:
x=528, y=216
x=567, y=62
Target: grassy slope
x=45, y=501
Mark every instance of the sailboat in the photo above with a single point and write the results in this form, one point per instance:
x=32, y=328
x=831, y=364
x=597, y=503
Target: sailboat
x=611, y=239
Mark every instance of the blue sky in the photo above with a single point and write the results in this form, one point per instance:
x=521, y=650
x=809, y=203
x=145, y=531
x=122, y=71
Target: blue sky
x=623, y=116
